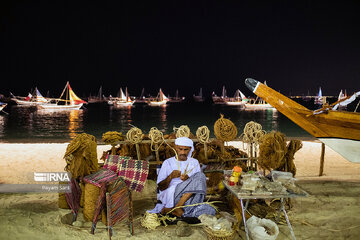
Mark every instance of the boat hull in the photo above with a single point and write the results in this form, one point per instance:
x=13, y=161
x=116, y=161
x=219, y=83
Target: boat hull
x=341, y=125
x=235, y=103
x=27, y=103
x=258, y=106
x=59, y=107
x=156, y=103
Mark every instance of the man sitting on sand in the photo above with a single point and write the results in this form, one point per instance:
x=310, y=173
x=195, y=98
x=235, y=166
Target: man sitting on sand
x=182, y=183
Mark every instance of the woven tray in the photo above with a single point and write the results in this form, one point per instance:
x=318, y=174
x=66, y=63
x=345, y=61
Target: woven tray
x=218, y=235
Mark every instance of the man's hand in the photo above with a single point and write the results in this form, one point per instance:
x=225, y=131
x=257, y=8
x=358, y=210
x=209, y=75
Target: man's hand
x=175, y=174
x=184, y=177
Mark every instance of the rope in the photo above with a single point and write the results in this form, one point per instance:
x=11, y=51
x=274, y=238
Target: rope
x=112, y=137
x=182, y=131
x=225, y=129
x=134, y=135
x=150, y=221
x=156, y=137
x=203, y=134
x=272, y=151
x=252, y=133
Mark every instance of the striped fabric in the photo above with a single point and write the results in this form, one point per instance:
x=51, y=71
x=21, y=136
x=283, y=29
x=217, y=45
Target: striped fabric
x=73, y=198
x=101, y=177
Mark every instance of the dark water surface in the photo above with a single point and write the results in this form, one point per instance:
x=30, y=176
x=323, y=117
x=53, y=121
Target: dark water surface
x=27, y=124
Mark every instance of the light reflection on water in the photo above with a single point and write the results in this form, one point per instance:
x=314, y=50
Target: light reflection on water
x=32, y=125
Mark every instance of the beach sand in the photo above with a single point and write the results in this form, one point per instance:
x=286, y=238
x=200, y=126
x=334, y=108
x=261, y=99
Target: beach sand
x=332, y=210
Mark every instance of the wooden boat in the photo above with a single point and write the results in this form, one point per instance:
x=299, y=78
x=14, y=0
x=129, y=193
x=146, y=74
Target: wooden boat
x=319, y=100
x=176, y=99
x=237, y=100
x=199, y=98
x=160, y=99
x=257, y=104
x=31, y=100
x=71, y=101
x=339, y=130
x=219, y=99
x=97, y=99
x=123, y=100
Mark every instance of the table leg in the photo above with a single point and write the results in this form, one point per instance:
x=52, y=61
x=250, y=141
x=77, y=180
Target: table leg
x=243, y=216
x=287, y=219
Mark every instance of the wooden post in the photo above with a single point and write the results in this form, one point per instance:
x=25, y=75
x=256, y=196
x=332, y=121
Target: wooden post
x=205, y=151
x=322, y=159
x=157, y=154
x=131, y=217
x=223, y=148
x=113, y=150
x=138, y=151
x=108, y=206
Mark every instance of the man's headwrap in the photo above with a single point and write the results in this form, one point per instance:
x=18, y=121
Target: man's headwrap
x=187, y=142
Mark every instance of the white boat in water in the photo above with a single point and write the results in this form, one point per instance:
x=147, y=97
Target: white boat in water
x=160, y=99
x=71, y=101
x=123, y=100
x=237, y=100
x=31, y=100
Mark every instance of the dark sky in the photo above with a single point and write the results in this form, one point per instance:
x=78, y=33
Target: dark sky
x=296, y=46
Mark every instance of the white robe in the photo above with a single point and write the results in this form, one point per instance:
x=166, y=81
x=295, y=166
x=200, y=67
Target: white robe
x=170, y=164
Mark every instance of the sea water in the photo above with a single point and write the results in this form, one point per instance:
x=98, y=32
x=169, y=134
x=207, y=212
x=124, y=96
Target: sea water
x=28, y=124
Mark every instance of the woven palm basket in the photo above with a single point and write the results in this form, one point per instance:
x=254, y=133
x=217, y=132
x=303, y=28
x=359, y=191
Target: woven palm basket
x=218, y=235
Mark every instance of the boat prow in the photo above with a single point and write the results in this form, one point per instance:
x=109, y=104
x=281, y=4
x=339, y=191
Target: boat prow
x=339, y=130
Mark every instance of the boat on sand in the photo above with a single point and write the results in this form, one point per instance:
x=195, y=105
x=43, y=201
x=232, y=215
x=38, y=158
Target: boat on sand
x=340, y=130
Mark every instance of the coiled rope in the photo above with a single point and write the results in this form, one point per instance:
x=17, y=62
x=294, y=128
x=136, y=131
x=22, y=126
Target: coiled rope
x=225, y=129
x=182, y=131
x=203, y=134
x=272, y=151
x=252, y=133
x=152, y=220
x=156, y=137
x=134, y=135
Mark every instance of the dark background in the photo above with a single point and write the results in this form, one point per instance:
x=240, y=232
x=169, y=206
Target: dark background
x=295, y=46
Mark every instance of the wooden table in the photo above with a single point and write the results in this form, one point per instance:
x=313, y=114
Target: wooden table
x=235, y=190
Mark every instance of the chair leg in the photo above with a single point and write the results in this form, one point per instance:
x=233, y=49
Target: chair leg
x=131, y=217
x=108, y=207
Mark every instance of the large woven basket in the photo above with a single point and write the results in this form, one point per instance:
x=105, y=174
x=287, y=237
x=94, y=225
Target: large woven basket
x=218, y=235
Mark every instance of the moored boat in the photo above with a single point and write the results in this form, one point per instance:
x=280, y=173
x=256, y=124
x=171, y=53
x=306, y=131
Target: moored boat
x=31, y=99
x=160, y=99
x=71, y=101
x=340, y=130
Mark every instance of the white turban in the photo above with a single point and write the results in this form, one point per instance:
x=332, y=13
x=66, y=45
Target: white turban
x=185, y=141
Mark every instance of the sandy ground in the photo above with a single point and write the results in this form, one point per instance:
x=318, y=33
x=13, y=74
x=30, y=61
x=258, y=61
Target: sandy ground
x=332, y=211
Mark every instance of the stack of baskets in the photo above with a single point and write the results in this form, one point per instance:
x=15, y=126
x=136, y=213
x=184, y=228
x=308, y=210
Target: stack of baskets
x=218, y=235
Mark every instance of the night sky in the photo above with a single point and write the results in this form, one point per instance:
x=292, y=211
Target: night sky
x=296, y=46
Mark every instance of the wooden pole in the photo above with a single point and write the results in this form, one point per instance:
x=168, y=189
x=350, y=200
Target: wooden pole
x=131, y=217
x=108, y=206
x=322, y=159
x=205, y=151
x=157, y=154
x=138, y=151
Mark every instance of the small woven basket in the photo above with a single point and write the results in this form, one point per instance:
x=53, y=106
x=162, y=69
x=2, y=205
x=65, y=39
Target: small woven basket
x=218, y=235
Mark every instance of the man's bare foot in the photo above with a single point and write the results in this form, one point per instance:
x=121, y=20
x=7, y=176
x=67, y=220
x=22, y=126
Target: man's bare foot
x=178, y=212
